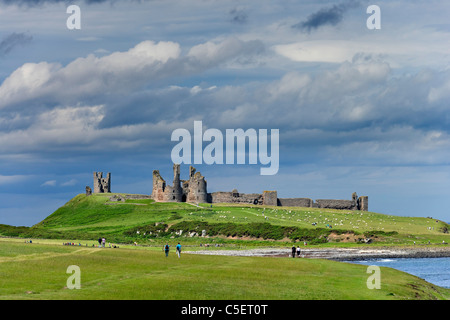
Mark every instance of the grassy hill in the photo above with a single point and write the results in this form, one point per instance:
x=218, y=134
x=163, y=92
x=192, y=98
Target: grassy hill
x=145, y=221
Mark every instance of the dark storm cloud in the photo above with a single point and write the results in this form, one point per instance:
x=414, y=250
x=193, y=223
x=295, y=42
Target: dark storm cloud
x=238, y=16
x=13, y=40
x=326, y=16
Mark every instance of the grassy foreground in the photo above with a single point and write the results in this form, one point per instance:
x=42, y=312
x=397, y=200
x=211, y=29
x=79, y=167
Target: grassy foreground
x=38, y=271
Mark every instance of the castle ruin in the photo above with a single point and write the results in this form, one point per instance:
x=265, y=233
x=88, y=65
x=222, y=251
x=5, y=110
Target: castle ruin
x=194, y=190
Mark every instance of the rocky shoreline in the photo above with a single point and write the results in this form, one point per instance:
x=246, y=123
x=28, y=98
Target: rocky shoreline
x=339, y=253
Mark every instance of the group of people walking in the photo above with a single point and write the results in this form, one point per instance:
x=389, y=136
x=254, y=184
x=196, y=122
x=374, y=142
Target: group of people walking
x=166, y=249
x=295, y=250
x=101, y=242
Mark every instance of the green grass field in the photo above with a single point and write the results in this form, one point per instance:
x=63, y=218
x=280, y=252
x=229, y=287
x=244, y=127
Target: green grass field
x=38, y=271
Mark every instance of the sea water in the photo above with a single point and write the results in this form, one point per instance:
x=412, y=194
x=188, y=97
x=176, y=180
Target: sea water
x=433, y=270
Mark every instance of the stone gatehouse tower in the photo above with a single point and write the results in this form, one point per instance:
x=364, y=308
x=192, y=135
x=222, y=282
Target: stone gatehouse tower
x=195, y=188
x=102, y=185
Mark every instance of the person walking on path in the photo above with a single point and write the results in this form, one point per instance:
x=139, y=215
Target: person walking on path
x=298, y=251
x=293, y=251
x=99, y=242
x=103, y=242
x=166, y=249
x=178, y=249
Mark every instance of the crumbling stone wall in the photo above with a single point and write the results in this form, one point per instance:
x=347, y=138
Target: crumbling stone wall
x=357, y=203
x=235, y=197
x=295, y=202
x=336, y=204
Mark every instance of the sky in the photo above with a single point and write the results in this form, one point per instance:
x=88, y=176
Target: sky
x=358, y=109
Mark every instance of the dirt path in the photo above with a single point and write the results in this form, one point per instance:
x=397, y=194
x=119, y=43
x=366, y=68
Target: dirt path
x=47, y=255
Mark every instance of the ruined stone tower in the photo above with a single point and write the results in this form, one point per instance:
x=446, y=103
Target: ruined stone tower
x=102, y=185
x=166, y=193
x=159, y=186
x=177, y=192
x=196, y=191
